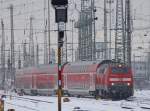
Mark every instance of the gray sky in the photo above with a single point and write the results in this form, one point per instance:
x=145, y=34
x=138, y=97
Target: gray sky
x=141, y=16
x=24, y=9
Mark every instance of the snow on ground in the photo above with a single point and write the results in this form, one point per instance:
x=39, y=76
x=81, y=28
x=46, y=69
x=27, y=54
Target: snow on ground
x=141, y=99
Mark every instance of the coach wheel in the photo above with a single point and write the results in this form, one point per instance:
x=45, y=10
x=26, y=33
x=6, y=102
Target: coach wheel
x=105, y=95
x=78, y=96
x=96, y=94
x=34, y=92
x=102, y=94
x=21, y=92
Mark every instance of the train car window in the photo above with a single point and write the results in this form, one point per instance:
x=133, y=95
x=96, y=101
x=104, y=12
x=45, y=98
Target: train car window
x=123, y=70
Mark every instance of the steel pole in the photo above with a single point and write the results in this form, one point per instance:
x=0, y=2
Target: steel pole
x=59, y=75
x=49, y=38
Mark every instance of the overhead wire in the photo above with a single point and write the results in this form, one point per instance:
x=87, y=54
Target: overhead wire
x=20, y=13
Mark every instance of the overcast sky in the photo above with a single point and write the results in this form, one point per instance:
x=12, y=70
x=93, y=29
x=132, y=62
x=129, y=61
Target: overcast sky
x=24, y=9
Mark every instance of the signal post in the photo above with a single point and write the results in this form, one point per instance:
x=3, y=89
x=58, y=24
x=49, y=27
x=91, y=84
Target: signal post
x=60, y=44
x=60, y=7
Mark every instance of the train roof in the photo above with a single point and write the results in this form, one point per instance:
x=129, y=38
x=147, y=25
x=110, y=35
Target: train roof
x=90, y=62
x=50, y=68
x=84, y=66
x=81, y=66
x=83, y=63
x=106, y=62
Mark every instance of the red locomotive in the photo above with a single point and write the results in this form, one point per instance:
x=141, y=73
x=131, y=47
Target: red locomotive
x=105, y=79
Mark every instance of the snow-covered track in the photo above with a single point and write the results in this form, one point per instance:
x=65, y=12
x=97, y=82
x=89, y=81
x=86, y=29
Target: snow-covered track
x=22, y=106
x=133, y=102
x=25, y=98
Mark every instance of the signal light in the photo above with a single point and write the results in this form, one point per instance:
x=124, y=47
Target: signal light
x=61, y=15
x=61, y=34
x=61, y=7
x=59, y=2
x=60, y=38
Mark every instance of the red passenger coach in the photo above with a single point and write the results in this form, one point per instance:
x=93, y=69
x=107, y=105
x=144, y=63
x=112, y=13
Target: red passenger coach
x=37, y=80
x=79, y=78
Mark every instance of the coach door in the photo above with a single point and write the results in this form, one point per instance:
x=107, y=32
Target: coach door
x=33, y=81
x=92, y=81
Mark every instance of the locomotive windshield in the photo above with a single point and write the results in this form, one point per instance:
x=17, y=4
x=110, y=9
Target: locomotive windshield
x=119, y=70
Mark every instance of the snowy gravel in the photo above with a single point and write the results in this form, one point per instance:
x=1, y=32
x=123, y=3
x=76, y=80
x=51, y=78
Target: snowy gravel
x=139, y=102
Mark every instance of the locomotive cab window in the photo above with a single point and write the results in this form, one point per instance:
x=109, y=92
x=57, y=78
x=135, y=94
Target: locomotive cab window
x=116, y=70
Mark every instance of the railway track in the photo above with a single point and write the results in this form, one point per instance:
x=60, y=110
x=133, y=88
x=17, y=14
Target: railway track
x=132, y=103
x=29, y=104
x=25, y=98
x=22, y=106
x=136, y=102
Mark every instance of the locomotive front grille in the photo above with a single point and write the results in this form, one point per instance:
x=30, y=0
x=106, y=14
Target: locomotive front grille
x=120, y=88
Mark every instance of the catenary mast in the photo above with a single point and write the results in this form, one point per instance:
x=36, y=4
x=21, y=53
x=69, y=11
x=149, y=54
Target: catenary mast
x=86, y=27
x=128, y=32
x=31, y=44
x=105, y=32
x=12, y=46
x=3, y=57
x=119, y=33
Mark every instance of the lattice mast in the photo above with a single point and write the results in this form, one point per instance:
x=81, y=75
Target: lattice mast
x=3, y=56
x=31, y=45
x=49, y=32
x=86, y=26
x=12, y=47
x=105, y=32
x=128, y=32
x=119, y=34
x=25, y=55
x=46, y=50
x=19, y=59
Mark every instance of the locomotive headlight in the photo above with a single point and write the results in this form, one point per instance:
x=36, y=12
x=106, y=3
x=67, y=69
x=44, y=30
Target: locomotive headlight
x=119, y=65
x=128, y=84
x=112, y=84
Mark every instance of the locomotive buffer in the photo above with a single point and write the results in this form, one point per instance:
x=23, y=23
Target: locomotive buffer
x=60, y=7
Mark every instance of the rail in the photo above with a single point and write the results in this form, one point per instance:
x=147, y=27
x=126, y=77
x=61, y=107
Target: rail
x=35, y=101
x=21, y=106
x=132, y=103
x=24, y=98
